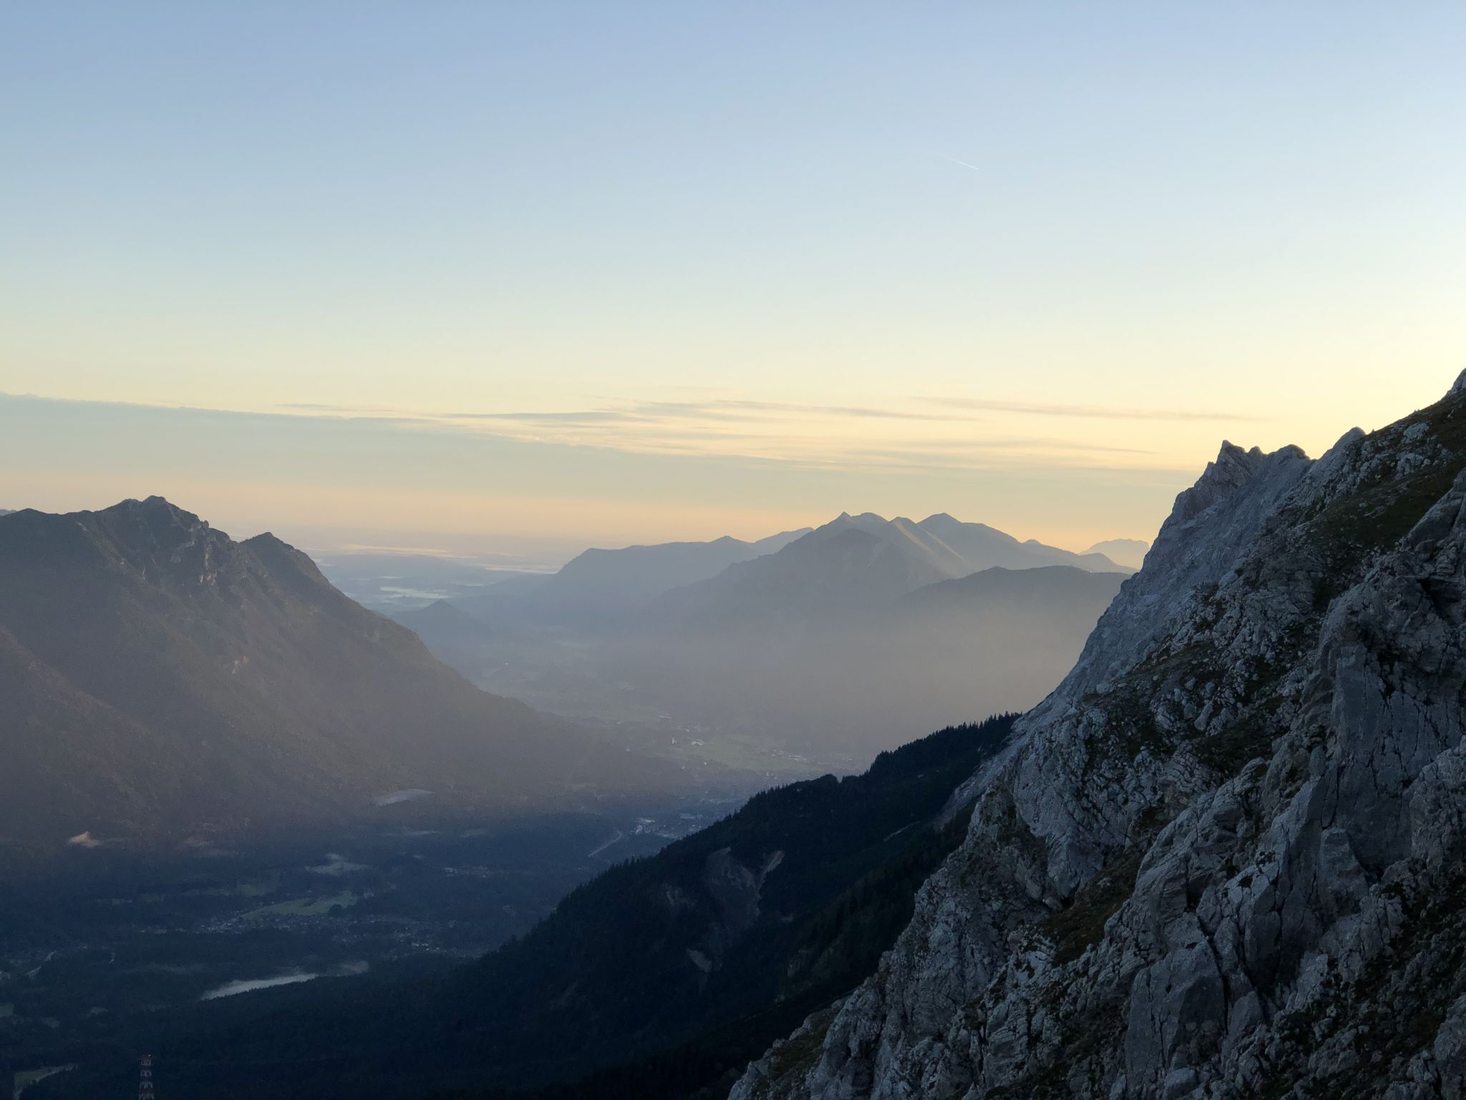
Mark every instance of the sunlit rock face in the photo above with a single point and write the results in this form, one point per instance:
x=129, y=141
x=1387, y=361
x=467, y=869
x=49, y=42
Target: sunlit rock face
x=1225, y=857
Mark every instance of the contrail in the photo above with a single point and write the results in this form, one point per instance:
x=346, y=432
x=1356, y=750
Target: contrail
x=964, y=164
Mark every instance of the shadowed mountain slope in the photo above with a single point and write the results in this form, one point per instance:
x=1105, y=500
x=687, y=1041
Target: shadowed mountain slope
x=1043, y=592
x=603, y=582
x=162, y=680
x=598, y=585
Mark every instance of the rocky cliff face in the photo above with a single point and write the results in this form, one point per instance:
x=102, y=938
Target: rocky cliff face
x=1225, y=857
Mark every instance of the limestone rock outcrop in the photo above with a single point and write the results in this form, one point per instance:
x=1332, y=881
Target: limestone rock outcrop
x=1227, y=856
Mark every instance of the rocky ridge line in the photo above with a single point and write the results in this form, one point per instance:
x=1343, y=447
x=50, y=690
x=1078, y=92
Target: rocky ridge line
x=1226, y=856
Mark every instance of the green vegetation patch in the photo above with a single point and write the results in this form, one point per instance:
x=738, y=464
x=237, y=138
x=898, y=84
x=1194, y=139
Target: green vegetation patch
x=1075, y=929
x=304, y=907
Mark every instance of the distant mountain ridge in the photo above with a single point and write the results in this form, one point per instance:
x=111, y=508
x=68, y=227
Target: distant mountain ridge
x=986, y=547
x=600, y=584
x=611, y=581
x=162, y=679
x=1127, y=552
x=859, y=562
x=1042, y=589
x=852, y=561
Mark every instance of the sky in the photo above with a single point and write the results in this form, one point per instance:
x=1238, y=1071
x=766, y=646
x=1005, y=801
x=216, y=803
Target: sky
x=509, y=278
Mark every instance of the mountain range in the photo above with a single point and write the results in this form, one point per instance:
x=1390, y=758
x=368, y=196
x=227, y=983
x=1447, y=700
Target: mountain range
x=853, y=561
x=856, y=564
x=163, y=681
x=822, y=649
x=614, y=582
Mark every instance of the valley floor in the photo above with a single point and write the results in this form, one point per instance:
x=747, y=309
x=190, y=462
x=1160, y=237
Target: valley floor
x=94, y=948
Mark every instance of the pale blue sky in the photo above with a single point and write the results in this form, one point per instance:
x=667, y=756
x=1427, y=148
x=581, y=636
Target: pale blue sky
x=730, y=237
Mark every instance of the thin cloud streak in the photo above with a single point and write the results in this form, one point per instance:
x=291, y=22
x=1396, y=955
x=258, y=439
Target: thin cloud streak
x=641, y=412
x=858, y=412
x=720, y=409
x=810, y=435
x=1089, y=412
x=583, y=416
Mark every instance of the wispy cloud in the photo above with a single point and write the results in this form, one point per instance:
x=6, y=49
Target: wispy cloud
x=319, y=408
x=748, y=409
x=953, y=410
x=1090, y=412
x=907, y=433
x=574, y=416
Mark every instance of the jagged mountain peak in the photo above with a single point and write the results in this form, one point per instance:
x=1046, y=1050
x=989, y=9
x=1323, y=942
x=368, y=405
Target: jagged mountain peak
x=150, y=537
x=1231, y=470
x=855, y=563
x=153, y=502
x=155, y=515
